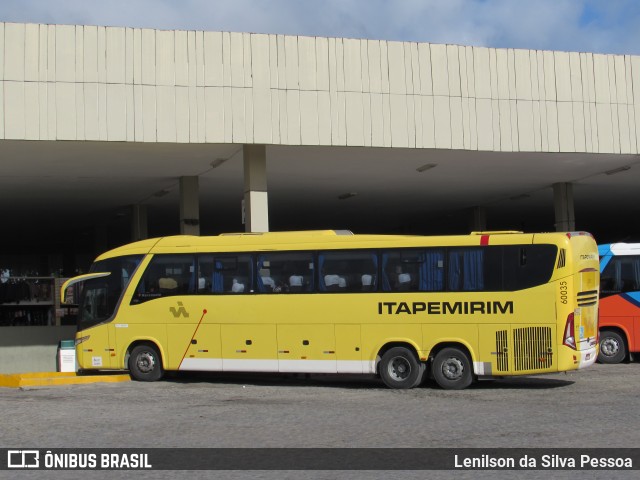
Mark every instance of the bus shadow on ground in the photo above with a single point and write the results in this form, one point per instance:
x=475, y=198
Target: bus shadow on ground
x=358, y=382
x=522, y=383
x=274, y=379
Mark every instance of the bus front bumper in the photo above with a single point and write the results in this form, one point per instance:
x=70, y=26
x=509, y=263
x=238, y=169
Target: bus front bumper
x=586, y=357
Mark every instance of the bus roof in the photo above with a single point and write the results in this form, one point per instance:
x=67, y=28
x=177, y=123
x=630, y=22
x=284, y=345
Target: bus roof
x=324, y=239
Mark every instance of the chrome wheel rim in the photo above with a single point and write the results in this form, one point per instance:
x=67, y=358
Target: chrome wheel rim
x=399, y=369
x=146, y=362
x=453, y=368
x=609, y=347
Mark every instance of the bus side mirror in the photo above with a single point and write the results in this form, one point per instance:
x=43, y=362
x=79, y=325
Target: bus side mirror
x=68, y=296
x=69, y=292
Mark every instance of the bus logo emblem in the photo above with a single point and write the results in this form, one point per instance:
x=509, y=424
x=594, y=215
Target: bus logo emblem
x=180, y=311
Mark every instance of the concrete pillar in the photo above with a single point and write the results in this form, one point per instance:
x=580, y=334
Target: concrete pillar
x=189, y=206
x=563, y=205
x=478, y=219
x=139, y=222
x=256, y=204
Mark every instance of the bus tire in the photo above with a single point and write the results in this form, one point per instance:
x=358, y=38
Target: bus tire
x=451, y=369
x=613, y=348
x=400, y=368
x=145, y=363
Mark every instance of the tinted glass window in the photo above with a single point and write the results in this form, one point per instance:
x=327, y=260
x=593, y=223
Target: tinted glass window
x=225, y=274
x=285, y=272
x=499, y=268
x=353, y=271
x=466, y=269
x=99, y=297
x=413, y=270
x=622, y=274
x=527, y=266
x=166, y=275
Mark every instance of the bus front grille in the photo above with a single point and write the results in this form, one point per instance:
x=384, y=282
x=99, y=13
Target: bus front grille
x=532, y=348
x=587, y=298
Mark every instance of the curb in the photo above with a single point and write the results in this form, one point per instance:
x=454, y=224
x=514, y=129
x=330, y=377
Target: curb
x=42, y=379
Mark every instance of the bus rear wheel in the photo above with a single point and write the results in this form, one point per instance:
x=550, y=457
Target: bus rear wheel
x=400, y=368
x=145, y=364
x=451, y=369
x=613, y=348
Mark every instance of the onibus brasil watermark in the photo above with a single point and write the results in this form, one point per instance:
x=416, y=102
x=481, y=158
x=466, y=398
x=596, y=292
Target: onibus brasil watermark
x=70, y=461
x=551, y=461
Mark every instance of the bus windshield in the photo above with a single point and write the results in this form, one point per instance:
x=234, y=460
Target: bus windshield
x=100, y=296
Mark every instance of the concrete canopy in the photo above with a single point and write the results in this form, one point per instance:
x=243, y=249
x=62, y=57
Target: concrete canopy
x=97, y=119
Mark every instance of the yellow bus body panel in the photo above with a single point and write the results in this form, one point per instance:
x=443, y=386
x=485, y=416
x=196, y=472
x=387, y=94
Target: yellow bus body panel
x=505, y=333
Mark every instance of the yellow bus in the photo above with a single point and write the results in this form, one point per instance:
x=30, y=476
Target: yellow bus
x=453, y=308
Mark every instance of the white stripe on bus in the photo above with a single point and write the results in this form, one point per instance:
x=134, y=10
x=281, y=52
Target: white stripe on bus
x=288, y=366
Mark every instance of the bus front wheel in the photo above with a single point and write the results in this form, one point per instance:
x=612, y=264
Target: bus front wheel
x=400, y=368
x=145, y=364
x=612, y=347
x=452, y=369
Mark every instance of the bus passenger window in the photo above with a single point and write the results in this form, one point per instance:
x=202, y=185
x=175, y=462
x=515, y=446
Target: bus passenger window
x=412, y=270
x=351, y=271
x=225, y=274
x=287, y=272
x=166, y=275
x=466, y=269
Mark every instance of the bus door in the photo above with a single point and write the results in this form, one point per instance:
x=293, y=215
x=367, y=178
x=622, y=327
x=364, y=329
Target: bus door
x=97, y=306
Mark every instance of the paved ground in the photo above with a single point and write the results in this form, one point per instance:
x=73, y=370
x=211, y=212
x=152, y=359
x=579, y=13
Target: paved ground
x=596, y=407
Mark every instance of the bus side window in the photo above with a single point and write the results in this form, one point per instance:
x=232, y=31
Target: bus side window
x=466, y=269
x=228, y=274
x=622, y=274
x=432, y=271
x=166, y=275
x=286, y=272
x=351, y=271
x=412, y=270
x=522, y=266
x=205, y=273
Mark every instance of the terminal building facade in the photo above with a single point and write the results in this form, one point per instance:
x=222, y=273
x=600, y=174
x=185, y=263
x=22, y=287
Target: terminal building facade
x=114, y=134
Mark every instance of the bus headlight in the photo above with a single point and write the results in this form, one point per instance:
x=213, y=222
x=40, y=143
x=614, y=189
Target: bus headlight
x=81, y=340
x=569, y=335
